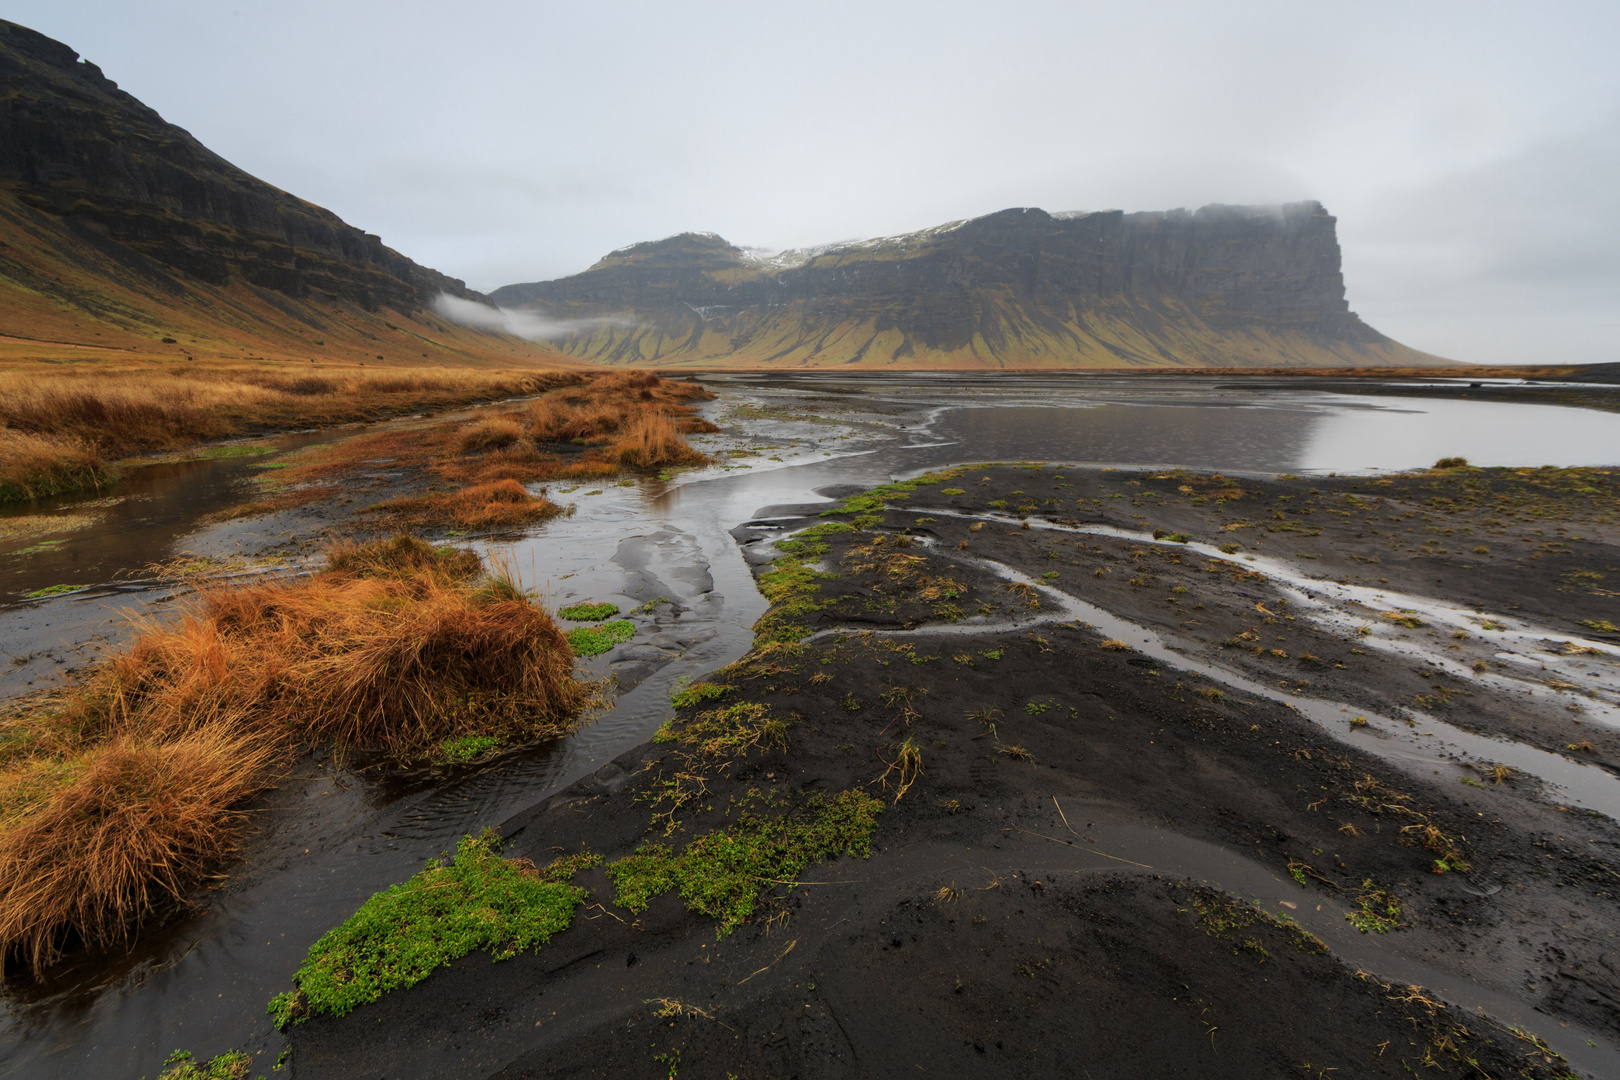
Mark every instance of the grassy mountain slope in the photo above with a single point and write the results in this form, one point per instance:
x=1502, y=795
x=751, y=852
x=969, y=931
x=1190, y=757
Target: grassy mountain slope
x=118, y=230
x=1224, y=287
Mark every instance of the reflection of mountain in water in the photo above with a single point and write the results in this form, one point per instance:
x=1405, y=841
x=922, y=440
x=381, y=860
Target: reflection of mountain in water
x=1209, y=436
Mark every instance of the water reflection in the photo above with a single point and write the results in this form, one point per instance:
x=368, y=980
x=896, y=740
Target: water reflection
x=1352, y=434
x=1222, y=434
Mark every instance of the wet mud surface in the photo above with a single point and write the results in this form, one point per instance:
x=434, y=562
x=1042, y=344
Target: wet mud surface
x=1109, y=864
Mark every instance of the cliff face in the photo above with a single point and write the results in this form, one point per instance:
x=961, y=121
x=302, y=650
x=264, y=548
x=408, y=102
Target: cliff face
x=77, y=148
x=1217, y=287
x=121, y=233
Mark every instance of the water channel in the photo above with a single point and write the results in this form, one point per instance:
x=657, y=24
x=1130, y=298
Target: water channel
x=333, y=840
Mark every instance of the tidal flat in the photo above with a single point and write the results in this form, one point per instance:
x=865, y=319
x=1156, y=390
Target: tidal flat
x=1088, y=859
x=1137, y=770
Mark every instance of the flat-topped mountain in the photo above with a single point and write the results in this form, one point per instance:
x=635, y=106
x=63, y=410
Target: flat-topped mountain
x=1221, y=286
x=119, y=229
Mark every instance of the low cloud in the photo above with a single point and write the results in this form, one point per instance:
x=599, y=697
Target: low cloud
x=524, y=324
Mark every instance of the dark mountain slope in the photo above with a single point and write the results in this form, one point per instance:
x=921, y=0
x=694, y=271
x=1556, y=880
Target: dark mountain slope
x=118, y=229
x=1220, y=286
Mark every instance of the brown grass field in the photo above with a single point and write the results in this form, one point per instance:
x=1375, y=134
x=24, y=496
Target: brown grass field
x=64, y=431
x=590, y=429
x=117, y=798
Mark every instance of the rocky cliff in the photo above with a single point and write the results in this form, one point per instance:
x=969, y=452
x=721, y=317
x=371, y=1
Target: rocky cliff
x=1221, y=286
x=121, y=232
x=75, y=146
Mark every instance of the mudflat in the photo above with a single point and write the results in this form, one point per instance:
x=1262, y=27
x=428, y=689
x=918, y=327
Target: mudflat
x=1284, y=791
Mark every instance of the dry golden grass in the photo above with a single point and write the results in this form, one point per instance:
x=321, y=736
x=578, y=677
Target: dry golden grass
x=138, y=822
x=652, y=441
x=494, y=434
x=497, y=504
x=59, y=431
x=617, y=421
x=35, y=465
x=115, y=803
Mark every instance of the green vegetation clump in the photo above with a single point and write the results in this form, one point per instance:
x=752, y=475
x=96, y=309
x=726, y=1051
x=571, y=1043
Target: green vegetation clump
x=588, y=612
x=791, y=583
x=399, y=936
x=51, y=590
x=466, y=748
x=1602, y=626
x=221, y=453
x=1220, y=914
x=231, y=1065
x=879, y=497
x=595, y=640
x=697, y=694
x=1378, y=910
x=721, y=874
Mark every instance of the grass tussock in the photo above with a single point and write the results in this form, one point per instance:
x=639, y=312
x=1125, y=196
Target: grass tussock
x=498, y=504
x=114, y=802
x=593, y=429
x=652, y=441
x=125, y=829
x=33, y=465
x=383, y=657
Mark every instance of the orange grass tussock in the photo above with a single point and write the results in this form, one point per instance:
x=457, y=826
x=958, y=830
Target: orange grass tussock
x=498, y=504
x=136, y=826
x=652, y=441
x=114, y=804
x=613, y=422
x=33, y=466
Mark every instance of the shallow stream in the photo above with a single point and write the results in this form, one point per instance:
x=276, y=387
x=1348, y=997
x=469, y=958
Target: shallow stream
x=666, y=549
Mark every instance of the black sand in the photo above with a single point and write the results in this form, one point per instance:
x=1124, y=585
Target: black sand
x=1012, y=919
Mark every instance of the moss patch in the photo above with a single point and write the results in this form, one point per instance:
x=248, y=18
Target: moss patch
x=595, y=640
x=588, y=612
x=231, y=1065
x=696, y=694
x=722, y=873
x=467, y=747
x=399, y=936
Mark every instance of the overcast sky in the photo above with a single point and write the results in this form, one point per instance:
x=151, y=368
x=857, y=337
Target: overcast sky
x=1471, y=151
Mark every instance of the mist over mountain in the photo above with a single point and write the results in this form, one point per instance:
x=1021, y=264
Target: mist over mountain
x=118, y=228
x=1221, y=286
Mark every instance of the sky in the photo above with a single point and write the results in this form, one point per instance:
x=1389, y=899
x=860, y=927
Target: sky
x=1471, y=151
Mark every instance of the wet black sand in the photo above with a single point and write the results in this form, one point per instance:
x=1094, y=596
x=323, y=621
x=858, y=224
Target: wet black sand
x=1023, y=911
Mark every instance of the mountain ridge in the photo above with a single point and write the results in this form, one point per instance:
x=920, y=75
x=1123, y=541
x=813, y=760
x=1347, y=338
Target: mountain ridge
x=1219, y=286
x=120, y=231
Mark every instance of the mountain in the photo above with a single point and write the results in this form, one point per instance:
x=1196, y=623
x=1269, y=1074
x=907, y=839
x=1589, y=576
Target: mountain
x=118, y=230
x=1222, y=286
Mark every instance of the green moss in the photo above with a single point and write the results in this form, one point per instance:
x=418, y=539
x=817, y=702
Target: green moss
x=1376, y=909
x=217, y=453
x=595, y=640
x=1220, y=915
x=466, y=748
x=588, y=612
x=231, y=1065
x=726, y=731
x=697, y=694
x=399, y=936
x=790, y=584
x=721, y=874
x=51, y=590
